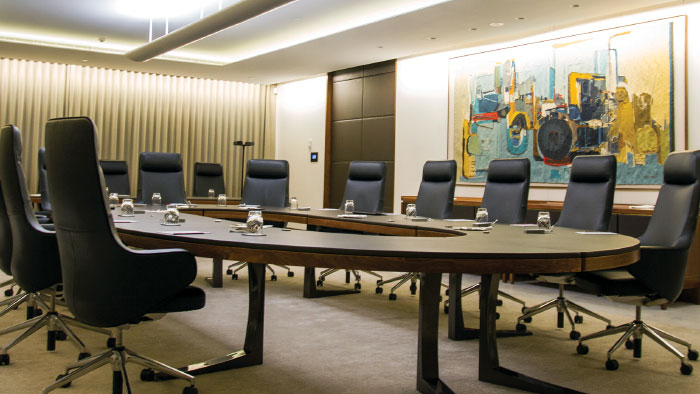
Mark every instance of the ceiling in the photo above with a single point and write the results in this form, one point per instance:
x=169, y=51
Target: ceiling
x=301, y=39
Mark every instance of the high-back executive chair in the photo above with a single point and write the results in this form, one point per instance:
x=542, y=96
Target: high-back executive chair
x=116, y=176
x=505, y=198
x=435, y=200
x=43, y=187
x=266, y=184
x=208, y=176
x=161, y=173
x=107, y=284
x=35, y=263
x=6, y=257
x=657, y=278
x=587, y=206
x=365, y=187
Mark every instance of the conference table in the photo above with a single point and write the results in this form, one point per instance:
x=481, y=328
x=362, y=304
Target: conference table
x=431, y=247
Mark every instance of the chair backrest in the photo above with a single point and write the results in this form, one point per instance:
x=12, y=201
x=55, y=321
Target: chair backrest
x=266, y=183
x=35, y=264
x=5, y=239
x=365, y=186
x=506, y=191
x=116, y=176
x=161, y=173
x=43, y=187
x=437, y=189
x=105, y=283
x=667, y=239
x=208, y=176
x=589, y=195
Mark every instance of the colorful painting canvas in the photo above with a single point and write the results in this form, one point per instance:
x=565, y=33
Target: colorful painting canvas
x=617, y=91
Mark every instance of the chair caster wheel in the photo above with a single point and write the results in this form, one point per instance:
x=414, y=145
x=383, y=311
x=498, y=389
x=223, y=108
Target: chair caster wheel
x=520, y=327
x=229, y=272
x=234, y=276
x=528, y=319
x=8, y=292
x=148, y=375
x=499, y=302
x=319, y=283
x=629, y=344
x=498, y=315
x=574, y=335
x=290, y=274
x=61, y=336
x=392, y=297
x=358, y=286
x=111, y=342
x=581, y=349
x=686, y=369
x=413, y=289
x=190, y=390
x=61, y=376
x=692, y=355
x=4, y=359
x=379, y=290
x=578, y=319
x=612, y=365
x=83, y=356
x=273, y=278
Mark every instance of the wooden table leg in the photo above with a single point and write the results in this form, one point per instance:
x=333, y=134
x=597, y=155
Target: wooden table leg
x=216, y=279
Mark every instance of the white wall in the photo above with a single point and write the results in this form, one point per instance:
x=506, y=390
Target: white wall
x=301, y=116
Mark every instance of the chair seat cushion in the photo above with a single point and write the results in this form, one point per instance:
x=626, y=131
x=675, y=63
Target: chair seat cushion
x=615, y=282
x=189, y=299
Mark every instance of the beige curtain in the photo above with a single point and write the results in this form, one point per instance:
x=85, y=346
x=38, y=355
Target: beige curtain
x=136, y=112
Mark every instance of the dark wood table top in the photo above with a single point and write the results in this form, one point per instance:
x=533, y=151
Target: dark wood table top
x=504, y=249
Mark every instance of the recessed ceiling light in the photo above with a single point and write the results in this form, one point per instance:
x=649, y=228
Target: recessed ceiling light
x=574, y=6
x=84, y=60
x=496, y=24
x=473, y=29
x=432, y=38
x=520, y=18
x=380, y=47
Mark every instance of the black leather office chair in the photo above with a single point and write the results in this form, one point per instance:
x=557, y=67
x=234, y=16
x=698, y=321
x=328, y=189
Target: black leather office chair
x=161, y=173
x=435, y=200
x=505, y=198
x=43, y=188
x=35, y=262
x=107, y=284
x=266, y=184
x=116, y=176
x=208, y=176
x=6, y=258
x=587, y=206
x=365, y=186
x=658, y=276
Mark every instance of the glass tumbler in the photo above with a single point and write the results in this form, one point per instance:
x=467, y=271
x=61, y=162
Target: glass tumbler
x=127, y=207
x=113, y=199
x=211, y=193
x=482, y=215
x=349, y=206
x=544, y=221
x=410, y=211
x=221, y=201
x=293, y=203
x=172, y=216
x=254, y=223
x=156, y=200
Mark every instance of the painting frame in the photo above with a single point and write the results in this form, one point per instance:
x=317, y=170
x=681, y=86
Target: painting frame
x=644, y=160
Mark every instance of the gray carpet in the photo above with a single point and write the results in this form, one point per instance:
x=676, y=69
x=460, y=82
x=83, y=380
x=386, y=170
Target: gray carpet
x=360, y=343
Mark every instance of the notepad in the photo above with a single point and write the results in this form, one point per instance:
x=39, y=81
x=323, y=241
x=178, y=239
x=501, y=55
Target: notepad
x=124, y=221
x=595, y=233
x=641, y=207
x=351, y=216
x=183, y=232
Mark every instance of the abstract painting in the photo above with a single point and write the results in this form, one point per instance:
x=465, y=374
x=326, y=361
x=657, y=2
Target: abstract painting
x=616, y=91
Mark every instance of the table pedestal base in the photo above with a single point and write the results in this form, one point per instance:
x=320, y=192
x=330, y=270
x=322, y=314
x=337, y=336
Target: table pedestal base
x=311, y=291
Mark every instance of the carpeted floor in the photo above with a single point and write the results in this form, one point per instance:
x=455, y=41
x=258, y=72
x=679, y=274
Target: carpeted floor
x=360, y=343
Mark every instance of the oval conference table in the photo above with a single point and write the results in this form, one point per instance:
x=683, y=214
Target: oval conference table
x=430, y=247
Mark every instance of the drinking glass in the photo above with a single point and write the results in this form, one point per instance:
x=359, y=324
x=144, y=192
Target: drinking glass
x=349, y=206
x=254, y=223
x=410, y=211
x=293, y=203
x=113, y=199
x=544, y=221
x=172, y=216
x=221, y=201
x=127, y=207
x=482, y=215
x=156, y=200
x=211, y=193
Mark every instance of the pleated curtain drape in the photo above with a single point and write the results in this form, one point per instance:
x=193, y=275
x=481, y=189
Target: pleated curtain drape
x=138, y=112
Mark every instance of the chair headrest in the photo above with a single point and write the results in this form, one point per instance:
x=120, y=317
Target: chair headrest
x=208, y=169
x=367, y=170
x=114, y=167
x=682, y=168
x=593, y=168
x=508, y=170
x=160, y=162
x=42, y=158
x=439, y=171
x=267, y=169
